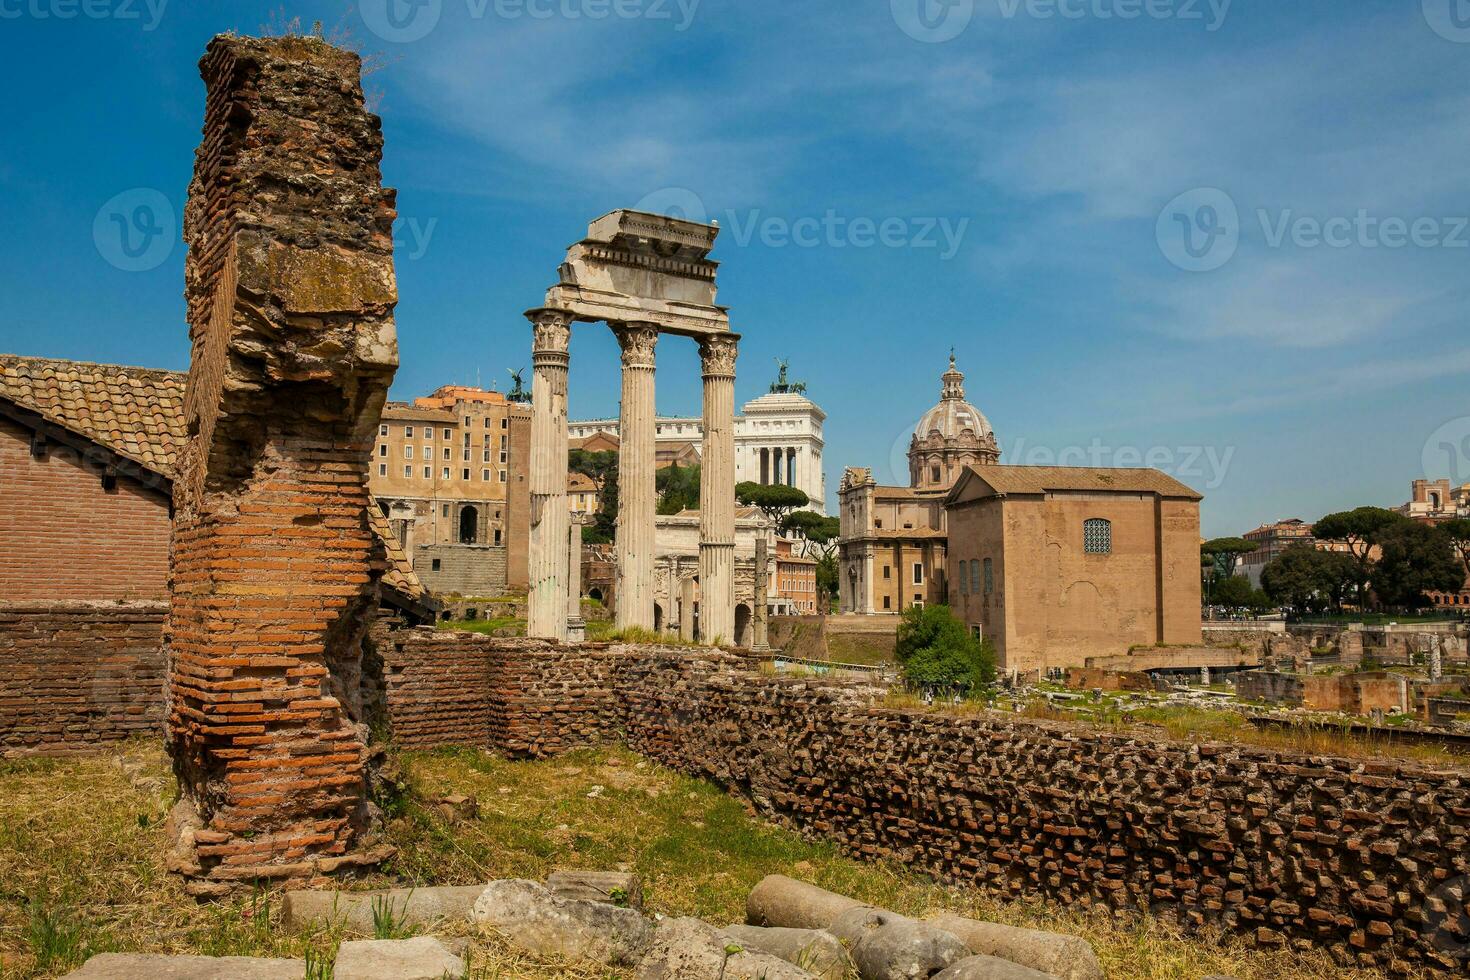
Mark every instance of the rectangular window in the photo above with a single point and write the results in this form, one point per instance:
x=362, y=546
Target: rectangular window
x=438, y=564
x=887, y=572
x=464, y=474
x=408, y=432
x=497, y=535
x=408, y=472
x=383, y=449
x=428, y=472
x=467, y=454
x=408, y=452
x=975, y=632
x=502, y=476
x=918, y=573
x=382, y=430
x=1097, y=537
x=485, y=476
x=449, y=433
x=446, y=510
x=487, y=422
x=485, y=456
x=446, y=472
x=887, y=602
x=382, y=469
x=448, y=453
x=505, y=423
x=878, y=524
x=504, y=457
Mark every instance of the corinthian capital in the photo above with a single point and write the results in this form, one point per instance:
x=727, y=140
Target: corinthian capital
x=552, y=330
x=717, y=354
x=638, y=341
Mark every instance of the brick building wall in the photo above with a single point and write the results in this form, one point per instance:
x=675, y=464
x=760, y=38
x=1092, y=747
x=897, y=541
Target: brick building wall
x=67, y=536
x=1361, y=857
x=79, y=674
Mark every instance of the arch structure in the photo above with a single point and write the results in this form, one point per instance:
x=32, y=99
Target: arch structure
x=645, y=276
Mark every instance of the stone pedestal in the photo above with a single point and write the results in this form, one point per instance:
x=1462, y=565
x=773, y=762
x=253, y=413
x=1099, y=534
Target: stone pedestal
x=760, y=635
x=637, y=466
x=546, y=603
x=576, y=625
x=717, y=492
x=686, y=609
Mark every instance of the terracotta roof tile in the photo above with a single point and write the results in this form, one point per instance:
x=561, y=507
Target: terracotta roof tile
x=138, y=413
x=1042, y=479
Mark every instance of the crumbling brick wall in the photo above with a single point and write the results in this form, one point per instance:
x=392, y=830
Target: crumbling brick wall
x=290, y=291
x=1366, y=858
x=74, y=675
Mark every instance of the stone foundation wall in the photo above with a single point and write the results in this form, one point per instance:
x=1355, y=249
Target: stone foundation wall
x=463, y=569
x=1361, y=857
x=74, y=675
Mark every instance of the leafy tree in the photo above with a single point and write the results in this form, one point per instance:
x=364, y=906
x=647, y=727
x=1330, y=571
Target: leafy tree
x=1235, y=592
x=1226, y=553
x=775, y=499
x=936, y=650
x=678, y=488
x=1361, y=530
x=828, y=580
x=819, y=533
x=1417, y=558
x=1459, y=533
x=1295, y=578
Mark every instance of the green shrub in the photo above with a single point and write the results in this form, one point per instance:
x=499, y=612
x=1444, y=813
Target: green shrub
x=937, y=652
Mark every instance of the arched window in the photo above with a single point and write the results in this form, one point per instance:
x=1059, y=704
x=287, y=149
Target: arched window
x=964, y=578
x=1097, y=536
x=469, y=526
x=975, y=576
x=989, y=577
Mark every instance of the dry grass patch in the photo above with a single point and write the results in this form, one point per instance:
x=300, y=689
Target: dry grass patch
x=81, y=845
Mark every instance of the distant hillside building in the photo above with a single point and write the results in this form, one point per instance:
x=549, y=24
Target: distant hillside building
x=450, y=470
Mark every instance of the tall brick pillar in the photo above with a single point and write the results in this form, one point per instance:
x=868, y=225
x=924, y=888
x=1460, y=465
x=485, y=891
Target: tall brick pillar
x=290, y=291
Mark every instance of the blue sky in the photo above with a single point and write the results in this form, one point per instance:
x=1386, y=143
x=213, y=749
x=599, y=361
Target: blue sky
x=1227, y=238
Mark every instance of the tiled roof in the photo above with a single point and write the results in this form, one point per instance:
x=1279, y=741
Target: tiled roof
x=1042, y=479
x=400, y=412
x=137, y=413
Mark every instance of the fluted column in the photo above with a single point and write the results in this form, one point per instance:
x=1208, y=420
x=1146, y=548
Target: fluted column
x=546, y=604
x=637, y=466
x=717, y=492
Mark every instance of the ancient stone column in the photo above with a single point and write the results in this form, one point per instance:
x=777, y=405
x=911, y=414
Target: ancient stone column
x=546, y=602
x=686, y=608
x=717, y=492
x=290, y=291
x=576, y=625
x=637, y=468
x=760, y=635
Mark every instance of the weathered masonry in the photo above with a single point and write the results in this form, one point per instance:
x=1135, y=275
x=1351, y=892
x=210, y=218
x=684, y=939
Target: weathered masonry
x=1369, y=859
x=290, y=290
x=645, y=275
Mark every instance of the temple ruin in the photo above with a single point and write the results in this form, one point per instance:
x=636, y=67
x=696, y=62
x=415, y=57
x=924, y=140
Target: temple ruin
x=290, y=289
x=644, y=275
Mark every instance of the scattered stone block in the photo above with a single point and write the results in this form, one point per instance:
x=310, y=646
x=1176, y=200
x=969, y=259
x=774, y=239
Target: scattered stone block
x=991, y=968
x=543, y=924
x=688, y=949
x=814, y=950
x=777, y=900
x=418, y=908
x=613, y=887
x=155, y=966
x=887, y=946
x=421, y=958
x=1067, y=957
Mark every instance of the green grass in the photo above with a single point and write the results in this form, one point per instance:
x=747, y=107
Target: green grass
x=486, y=626
x=81, y=842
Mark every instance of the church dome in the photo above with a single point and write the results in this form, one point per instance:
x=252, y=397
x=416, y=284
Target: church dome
x=951, y=435
x=953, y=417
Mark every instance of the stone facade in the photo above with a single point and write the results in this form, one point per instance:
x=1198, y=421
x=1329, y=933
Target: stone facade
x=1363, y=858
x=1058, y=565
x=290, y=291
